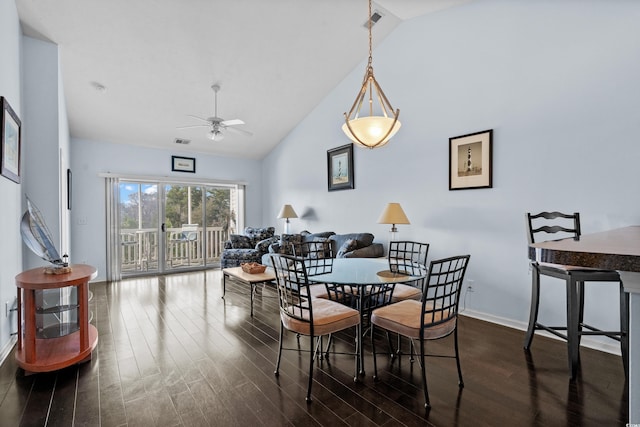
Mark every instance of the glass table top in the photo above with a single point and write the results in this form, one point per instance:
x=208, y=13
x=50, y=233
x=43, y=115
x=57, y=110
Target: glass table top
x=362, y=271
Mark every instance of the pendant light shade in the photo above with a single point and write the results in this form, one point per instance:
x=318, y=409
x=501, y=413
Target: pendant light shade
x=381, y=124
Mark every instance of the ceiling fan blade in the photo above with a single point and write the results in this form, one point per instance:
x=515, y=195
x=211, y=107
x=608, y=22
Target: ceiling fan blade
x=193, y=126
x=233, y=122
x=238, y=130
x=199, y=118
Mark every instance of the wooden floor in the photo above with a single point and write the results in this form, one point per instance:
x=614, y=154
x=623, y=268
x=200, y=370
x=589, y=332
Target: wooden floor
x=171, y=352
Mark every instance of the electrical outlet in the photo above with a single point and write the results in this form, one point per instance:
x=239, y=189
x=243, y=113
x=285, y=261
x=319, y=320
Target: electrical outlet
x=470, y=287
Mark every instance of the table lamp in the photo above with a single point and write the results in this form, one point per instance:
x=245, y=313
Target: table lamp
x=287, y=212
x=393, y=214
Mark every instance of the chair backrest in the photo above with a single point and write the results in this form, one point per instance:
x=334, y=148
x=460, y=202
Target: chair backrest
x=293, y=288
x=442, y=292
x=189, y=232
x=548, y=223
x=408, y=257
x=317, y=256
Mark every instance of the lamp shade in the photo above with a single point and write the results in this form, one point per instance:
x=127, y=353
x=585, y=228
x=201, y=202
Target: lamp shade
x=287, y=212
x=393, y=214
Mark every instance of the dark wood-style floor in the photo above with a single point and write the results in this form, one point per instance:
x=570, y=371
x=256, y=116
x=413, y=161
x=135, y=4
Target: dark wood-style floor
x=171, y=352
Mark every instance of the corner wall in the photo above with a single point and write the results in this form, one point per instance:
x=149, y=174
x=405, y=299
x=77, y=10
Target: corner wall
x=556, y=81
x=11, y=243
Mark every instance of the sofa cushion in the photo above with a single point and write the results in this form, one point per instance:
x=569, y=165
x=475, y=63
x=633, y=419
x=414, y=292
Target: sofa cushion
x=314, y=237
x=363, y=240
x=238, y=241
x=375, y=250
x=347, y=246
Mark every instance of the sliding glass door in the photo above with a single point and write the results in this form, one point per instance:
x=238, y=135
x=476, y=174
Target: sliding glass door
x=139, y=209
x=171, y=226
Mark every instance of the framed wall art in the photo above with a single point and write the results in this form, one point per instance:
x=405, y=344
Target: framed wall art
x=183, y=164
x=10, y=144
x=340, y=168
x=470, y=161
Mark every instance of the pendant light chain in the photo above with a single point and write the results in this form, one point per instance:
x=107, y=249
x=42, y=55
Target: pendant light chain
x=370, y=39
x=371, y=131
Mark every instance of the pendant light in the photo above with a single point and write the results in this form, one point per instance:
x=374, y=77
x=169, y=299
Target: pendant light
x=371, y=131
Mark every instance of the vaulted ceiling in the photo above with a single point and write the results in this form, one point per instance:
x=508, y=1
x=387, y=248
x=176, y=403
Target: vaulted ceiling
x=134, y=71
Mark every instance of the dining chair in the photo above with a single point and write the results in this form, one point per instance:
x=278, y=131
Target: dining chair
x=318, y=259
x=432, y=318
x=561, y=225
x=304, y=315
x=409, y=258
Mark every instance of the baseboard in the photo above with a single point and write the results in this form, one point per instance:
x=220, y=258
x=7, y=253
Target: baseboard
x=522, y=326
x=8, y=349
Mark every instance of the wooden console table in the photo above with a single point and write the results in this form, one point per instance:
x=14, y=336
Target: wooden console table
x=618, y=250
x=39, y=354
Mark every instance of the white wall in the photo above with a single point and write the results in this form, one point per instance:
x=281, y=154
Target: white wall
x=556, y=81
x=10, y=192
x=46, y=137
x=90, y=158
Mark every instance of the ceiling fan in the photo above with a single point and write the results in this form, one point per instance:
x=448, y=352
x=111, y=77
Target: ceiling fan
x=216, y=124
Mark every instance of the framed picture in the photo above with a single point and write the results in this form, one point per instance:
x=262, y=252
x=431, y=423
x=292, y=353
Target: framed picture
x=183, y=164
x=470, y=161
x=11, y=140
x=340, y=168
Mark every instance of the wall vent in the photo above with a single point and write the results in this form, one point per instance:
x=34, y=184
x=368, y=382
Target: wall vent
x=182, y=141
x=375, y=17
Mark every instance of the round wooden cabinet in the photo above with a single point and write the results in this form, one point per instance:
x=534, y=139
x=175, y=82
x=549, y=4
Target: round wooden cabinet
x=53, y=319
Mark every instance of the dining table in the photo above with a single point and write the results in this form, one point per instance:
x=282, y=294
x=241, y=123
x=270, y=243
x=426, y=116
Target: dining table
x=617, y=249
x=368, y=281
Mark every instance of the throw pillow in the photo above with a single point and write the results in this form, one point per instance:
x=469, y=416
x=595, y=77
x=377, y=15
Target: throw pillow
x=347, y=246
x=319, y=248
x=287, y=243
x=258, y=234
x=238, y=241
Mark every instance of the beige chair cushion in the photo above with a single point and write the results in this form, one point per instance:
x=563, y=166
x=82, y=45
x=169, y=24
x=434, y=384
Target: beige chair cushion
x=402, y=292
x=404, y=318
x=328, y=317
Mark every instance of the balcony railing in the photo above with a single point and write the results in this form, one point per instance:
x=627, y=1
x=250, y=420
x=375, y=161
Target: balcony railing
x=140, y=248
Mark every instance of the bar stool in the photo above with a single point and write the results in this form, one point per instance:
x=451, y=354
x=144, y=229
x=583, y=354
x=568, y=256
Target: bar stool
x=575, y=278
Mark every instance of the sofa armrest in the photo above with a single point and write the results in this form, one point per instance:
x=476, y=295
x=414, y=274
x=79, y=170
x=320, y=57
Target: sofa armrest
x=263, y=245
x=375, y=250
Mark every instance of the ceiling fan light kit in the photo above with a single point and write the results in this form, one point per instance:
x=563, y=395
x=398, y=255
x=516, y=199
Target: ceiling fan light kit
x=371, y=131
x=217, y=126
x=215, y=135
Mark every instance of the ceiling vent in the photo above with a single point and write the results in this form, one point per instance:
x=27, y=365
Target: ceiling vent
x=375, y=17
x=182, y=141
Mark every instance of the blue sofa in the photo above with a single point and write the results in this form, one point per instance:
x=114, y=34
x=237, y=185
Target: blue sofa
x=351, y=245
